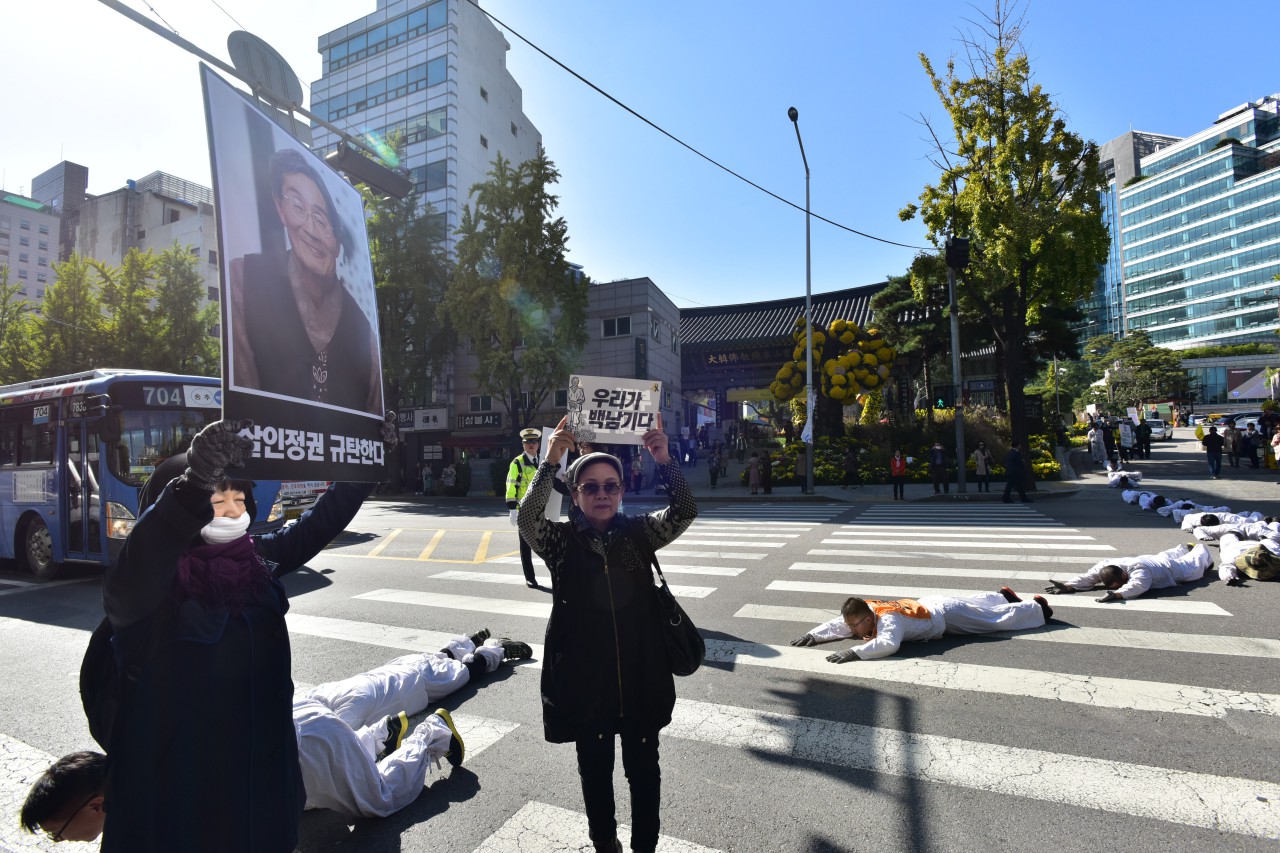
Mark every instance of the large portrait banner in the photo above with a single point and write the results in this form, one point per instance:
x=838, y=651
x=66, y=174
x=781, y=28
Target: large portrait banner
x=300, y=352
x=606, y=410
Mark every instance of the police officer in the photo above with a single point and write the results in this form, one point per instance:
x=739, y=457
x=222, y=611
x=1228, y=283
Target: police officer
x=519, y=476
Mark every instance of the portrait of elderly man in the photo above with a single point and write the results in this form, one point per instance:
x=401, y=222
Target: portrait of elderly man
x=296, y=329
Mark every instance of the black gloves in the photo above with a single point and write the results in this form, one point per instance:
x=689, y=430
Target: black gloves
x=1112, y=595
x=390, y=433
x=843, y=657
x=1059, y=588
x=806, y=640
x=214, y=449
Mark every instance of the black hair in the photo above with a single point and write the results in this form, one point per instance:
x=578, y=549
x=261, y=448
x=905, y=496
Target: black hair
x=72, y=779
x=854, y=606
x=172, y=468
x=1209, y=520
x=1112, y=575
x=1124, y=480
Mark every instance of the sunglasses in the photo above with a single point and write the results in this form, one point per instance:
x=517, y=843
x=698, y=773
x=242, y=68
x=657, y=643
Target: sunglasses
x=592, y=489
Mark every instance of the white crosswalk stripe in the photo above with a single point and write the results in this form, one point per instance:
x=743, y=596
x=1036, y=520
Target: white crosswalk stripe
x=668, y=568
x=924, y=571
x=990, y=543
x=951, y=533
x=917, y=554
x=540, y=828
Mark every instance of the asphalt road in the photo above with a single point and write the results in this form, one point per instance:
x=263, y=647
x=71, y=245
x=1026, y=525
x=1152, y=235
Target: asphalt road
x=1149, y=725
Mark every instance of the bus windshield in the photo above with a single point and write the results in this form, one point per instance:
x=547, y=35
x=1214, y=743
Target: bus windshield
x=147, y=438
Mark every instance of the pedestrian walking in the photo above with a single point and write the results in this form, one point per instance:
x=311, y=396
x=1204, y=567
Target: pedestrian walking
x=982, y=464
x=1097, y=445
x=1143, y=435
x=607, y=675
x=938, y=469
x=850, y=468
x=898, y=474
x=1212, y=443
x=1231, y=443
x=637, y=473
x=713, y=465
x=755, y=472
x=1014, y=473
x=1250, y=444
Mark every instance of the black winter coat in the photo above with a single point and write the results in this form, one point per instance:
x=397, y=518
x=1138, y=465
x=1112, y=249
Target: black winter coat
x=604, y=668
x=207, y=759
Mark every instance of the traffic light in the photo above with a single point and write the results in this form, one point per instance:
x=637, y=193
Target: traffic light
x=957, y=252
x=944, y=397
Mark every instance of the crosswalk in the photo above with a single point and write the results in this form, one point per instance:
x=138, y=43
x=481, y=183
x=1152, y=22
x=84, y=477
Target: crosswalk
x=770, y=565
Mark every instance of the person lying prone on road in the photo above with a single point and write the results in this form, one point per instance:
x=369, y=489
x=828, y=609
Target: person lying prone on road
x=1130, y=577
x=883, y=626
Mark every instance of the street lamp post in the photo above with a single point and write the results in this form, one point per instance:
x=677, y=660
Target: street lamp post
x=794, y=115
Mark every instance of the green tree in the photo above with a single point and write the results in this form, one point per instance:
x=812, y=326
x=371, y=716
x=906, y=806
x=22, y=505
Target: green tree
x=70, y=326
x=1021, y=186
x=411, y=272
x=513, y=293
x=1137, y=371
x=130, y=326
x=182, y=342
x=16, y=327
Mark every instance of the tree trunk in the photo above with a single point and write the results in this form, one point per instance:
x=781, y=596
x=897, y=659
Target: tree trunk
x=1014, y=365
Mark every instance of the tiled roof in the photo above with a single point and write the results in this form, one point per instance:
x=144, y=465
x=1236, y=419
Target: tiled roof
x=766, y=321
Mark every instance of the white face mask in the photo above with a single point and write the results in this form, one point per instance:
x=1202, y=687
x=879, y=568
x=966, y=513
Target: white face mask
x=223, y=530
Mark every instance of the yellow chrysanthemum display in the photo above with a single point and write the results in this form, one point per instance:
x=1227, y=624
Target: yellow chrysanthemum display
x=848, y=361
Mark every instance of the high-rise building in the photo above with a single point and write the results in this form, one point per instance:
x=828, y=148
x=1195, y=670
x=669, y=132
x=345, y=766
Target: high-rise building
x=63, y=189
x=1198, y=230
x=431, y=74
x=1104, y=310
x=28, y=243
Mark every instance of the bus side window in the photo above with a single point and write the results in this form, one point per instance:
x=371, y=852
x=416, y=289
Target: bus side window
x=37, y=445
x=8, y=444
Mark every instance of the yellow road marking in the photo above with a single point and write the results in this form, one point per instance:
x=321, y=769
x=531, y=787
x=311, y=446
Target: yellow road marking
x=378, y=549
x=431, y=546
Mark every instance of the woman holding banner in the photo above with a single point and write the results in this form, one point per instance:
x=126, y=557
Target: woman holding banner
x=606, y=673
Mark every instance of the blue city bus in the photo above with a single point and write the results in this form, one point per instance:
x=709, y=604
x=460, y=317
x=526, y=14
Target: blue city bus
x=75, y=450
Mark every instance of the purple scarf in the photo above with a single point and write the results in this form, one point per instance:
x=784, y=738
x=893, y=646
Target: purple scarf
x=227, y=576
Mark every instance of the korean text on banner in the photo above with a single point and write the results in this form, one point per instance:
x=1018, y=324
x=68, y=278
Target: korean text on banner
x=608, y=410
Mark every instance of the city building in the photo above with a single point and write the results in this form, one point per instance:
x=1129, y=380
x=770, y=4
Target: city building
x=28, y=243
x=1199, y=230
x=1104, y=310
x=152, y=213
x=63, y=189
x=431, y=74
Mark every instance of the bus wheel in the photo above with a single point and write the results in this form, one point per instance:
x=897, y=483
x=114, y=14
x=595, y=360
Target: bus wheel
x=37, y=550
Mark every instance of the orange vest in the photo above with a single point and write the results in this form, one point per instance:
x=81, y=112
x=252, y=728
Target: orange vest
x=908, y=607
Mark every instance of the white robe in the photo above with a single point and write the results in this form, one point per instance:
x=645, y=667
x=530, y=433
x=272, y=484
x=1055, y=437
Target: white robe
x=1176, y=565
x=1256, y=530
x=342, y=725
x=1113, y=477
x=1191, y=520
x=980, y=613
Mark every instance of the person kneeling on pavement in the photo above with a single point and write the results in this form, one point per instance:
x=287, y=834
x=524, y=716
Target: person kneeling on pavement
x=883, y=626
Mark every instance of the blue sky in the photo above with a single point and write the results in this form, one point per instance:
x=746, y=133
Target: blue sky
x=89, y=86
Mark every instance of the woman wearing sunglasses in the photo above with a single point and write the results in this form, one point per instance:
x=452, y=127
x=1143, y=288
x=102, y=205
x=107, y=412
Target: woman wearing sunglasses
x=605, y=673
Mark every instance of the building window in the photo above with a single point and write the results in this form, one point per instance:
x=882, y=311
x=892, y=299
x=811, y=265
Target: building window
x=484, y=94
x=174, y=216
x=43, y=262
x=655, y=329
x=398, y=85
x=481, y=403
x=142, y=234
x=213, y=294
x=24, y=241
x=22, y=273
x=675, y=343
x=513, y=129
x=24, y=224
x=213, y=258
x=44, y=229
x=393, y=32
x=195, y=250
x=44, y=245
x=216, y=331
x=42, y=276
x=23, y=258
x=615, y=327
x=526, y=400
x=484, y=141
x=562, y=398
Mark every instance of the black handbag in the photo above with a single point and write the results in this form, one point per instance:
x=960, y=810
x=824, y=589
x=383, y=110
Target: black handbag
x=684, y=645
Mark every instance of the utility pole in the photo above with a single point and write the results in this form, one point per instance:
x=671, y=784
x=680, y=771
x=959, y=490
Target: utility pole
x=957, y=255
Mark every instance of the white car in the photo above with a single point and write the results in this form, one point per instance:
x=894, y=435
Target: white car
x=1160, y=430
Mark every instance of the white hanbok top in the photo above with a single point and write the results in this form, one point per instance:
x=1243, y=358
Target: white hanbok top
x=1168, y=568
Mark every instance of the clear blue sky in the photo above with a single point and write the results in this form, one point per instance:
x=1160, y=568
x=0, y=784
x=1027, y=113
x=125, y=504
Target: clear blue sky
x=86, y=85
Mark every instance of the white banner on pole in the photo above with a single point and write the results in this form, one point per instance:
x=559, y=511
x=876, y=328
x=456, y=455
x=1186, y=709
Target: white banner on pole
x=806, y=435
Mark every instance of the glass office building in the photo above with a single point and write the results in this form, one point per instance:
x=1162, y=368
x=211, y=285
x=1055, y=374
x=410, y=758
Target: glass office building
x=1199, y=233
x=432, y=75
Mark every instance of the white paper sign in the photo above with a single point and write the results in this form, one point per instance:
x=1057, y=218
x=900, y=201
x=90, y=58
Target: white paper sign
x=607, y=410
x=552, y=510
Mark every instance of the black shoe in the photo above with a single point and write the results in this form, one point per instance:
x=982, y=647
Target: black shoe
x=457, y=749
x=1044, y=605
x=515, y=650
x=1008, y=500
x=1027, y=501
x=479, y=637
x=397, y=728
x=532, y=584
x=1009, y=595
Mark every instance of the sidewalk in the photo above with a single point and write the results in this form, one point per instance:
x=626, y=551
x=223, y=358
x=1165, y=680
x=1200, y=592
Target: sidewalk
x=730, y=490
